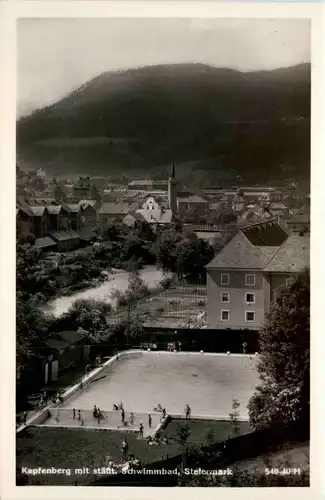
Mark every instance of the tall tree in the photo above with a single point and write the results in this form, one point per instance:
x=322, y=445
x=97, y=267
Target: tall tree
x=32, y=330
x=283, y=396
x=184, y=254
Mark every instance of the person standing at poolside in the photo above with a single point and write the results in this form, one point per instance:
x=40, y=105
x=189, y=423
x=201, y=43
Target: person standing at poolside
x=149, y=420
x=124, y=449
x=123, y=415
x=187, y=411
x=73, y=413
x=132, y=418
x=141, y=430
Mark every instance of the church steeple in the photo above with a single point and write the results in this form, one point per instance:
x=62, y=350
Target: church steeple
x=172, y=171
x=172, y=190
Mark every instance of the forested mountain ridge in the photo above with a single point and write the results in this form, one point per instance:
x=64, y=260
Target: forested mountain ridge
x=214, y=122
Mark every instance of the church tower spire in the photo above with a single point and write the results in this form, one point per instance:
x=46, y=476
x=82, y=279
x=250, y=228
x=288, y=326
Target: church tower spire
x=172, y=190
x=172, y=171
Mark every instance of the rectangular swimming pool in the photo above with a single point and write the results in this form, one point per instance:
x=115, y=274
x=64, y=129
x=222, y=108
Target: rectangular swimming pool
x=207, y=382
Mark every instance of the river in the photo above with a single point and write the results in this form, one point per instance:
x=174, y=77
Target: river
x=150, y=274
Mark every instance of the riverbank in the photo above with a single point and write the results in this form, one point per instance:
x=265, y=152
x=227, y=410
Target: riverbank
x=118, y=281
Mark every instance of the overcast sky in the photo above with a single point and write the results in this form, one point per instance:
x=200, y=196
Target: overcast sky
x=57, y=55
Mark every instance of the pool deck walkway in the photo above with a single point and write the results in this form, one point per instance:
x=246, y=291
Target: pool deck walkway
x=111, y=421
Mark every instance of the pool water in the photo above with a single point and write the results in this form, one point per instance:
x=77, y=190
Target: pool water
x=207, y=382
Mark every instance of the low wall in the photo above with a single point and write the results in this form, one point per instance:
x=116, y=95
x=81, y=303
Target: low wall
x=221, y=418
x=40, y=417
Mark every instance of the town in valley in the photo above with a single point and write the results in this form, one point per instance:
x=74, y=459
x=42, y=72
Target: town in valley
x=163, y=255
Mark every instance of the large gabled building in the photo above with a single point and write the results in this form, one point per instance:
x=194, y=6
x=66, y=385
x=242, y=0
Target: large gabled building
x=81, y=189
x=243, y=279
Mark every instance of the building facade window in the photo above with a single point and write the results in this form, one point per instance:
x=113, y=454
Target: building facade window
x=250, y=298
x=225, y=297
x=250, y=279
x=249, y=316
x=225, y=315
x=225, y=279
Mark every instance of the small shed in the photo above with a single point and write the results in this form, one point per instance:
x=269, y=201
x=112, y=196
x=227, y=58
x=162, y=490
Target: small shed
x=65, y=239
x=62, y=351
x=46, y=244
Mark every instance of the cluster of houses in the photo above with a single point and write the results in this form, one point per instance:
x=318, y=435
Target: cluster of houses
x=63, y=225
x=57, y=226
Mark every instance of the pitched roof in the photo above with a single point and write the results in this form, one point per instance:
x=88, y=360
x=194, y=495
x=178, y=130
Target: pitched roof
x=23, y=207
x=71, y=207
x=160, y=217
x=256, y=188
x=72, y=336
x=63, y=235
x=53, y=209
x=86, y=203
x=160, y=182
x=141, y=182
x=193, y=199
x=240, y=253
x=64, y=339
x=56, y=344
x=45, y=201
x=131, y=193
x=278, y=205
x=291, y=257
x=265, y=234
x=44, y=242
x=82, y=182
x=37, y=211
x=154, y=193
x=109, y=208
x=136, y=215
